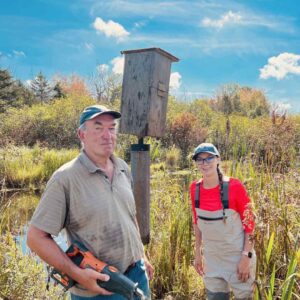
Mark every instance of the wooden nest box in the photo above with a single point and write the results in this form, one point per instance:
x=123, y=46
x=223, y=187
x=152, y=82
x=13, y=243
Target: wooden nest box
x=145, y=91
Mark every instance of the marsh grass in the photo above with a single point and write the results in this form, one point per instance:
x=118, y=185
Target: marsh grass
x=17, y=211
x=21, y=276
x=171, y=243
x=276, y=205
x=22, y=167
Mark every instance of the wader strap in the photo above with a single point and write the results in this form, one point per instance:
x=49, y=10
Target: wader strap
x=210, y=219
x=225, y=198
x=197, y=195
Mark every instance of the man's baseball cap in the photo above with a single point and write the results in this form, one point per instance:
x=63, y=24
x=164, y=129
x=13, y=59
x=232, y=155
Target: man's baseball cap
x=93, y=111
x=205, y=148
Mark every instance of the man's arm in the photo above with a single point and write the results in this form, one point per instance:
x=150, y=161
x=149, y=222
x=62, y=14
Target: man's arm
x=46, y=248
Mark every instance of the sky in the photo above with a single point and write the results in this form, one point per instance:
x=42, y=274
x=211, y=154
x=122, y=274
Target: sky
x=252, y=43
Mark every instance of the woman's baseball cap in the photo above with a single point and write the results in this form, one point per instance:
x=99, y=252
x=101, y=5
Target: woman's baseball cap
x=205, y=148
x=93, y=111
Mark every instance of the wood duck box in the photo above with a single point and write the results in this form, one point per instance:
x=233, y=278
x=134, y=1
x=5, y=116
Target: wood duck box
x=145, y=91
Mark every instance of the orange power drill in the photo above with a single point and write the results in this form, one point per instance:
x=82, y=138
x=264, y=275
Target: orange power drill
x=118, y=283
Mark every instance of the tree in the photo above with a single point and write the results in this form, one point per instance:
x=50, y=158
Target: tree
x=73, y=85
x=106, y=85
x=253, y=102
x=8, y=95
x=41, y=88
x=58, y=91
x=228, y=100
x=186, y=132
x=245, y=101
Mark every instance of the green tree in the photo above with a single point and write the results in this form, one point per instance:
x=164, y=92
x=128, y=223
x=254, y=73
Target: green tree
x=41, y=88
x=245, y=101
x=25, y=95
x=253, y=102
x=228, y=100
x=58, y=91
x=8, y=94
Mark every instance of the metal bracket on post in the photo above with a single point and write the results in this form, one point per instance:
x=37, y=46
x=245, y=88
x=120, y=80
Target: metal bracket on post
x=140, y=146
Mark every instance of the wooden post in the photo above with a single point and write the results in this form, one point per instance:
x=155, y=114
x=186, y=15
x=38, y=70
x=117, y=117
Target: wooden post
x=144, y=100
x=140, y=169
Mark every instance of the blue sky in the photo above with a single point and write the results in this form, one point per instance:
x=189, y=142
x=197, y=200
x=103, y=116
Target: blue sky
x=253, y=43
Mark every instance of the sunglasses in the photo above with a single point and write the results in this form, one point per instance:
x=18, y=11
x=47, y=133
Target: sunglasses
x=207, y=160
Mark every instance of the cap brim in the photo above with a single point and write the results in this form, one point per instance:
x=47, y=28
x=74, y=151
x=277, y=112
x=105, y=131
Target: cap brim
x=210, y=152
x=113, y=113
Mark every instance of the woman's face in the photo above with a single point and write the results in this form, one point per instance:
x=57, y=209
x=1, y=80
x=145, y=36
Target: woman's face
x=207, y=164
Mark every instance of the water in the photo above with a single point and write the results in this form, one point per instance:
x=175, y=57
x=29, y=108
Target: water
x=61, y=240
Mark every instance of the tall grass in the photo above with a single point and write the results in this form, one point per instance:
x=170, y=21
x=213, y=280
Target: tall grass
x=21, y=276
x=16, y=212
x=24, y=167
x=171, y=246
x=276, y=205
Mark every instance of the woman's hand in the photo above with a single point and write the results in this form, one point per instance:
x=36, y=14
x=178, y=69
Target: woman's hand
x=243, y=268
x=198, y=263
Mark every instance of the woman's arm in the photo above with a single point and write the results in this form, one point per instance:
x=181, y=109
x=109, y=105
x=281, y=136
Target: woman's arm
x=198, y=264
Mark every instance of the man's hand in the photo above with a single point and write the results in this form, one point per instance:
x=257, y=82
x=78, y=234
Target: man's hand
x=198, y=263
x=243, y=268
x=46, y=248
x=88, y=278
x=149, y=267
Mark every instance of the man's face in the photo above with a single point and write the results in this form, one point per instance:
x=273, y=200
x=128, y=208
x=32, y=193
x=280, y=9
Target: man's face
x=99, y=137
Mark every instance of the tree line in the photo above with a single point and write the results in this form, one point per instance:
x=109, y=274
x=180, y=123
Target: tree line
x=103, y=86
x=239, y=120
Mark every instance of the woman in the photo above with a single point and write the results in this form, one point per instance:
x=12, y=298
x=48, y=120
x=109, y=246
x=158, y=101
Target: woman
x=223, y=225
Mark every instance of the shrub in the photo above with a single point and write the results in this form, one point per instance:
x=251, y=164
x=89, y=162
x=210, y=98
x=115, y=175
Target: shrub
x=22, y=277
x=23, y=166
x=173, y=157
x=186, y=132
x=53, y=125
x=274, y=144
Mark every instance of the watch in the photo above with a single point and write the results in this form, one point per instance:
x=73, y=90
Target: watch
x=248, y=254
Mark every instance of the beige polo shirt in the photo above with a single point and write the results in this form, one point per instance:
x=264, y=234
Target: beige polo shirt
x=94, y=211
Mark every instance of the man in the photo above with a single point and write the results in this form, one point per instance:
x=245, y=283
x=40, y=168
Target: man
x=91, y=197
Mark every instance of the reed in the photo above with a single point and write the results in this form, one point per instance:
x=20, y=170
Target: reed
x=276, y=205
x=24, y=167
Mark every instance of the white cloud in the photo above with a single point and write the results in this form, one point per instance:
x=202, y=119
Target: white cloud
x=280, y=66
x=227, y=19
x=118, y=64
x=103, y=68
x=110, y=29
x=175, y=80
